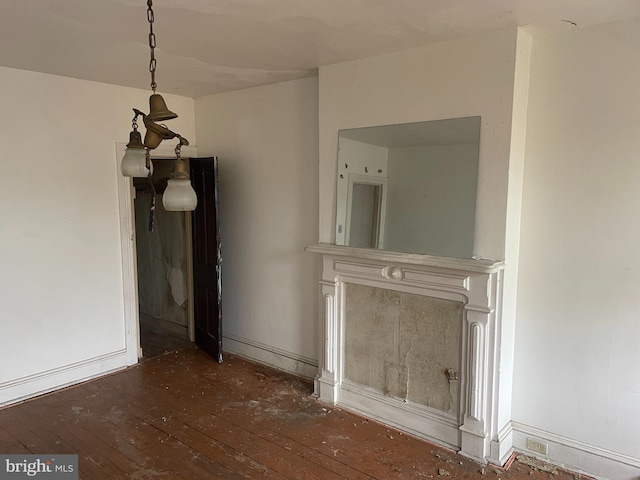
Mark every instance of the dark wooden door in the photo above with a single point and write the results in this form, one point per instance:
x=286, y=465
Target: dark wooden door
x=207, y=260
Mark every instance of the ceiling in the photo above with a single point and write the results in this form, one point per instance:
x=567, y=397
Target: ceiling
x=452, y=131
x=211, y=46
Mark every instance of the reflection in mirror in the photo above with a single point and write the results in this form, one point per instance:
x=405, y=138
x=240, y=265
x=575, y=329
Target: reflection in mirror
x=364, y=214
x=409, y=187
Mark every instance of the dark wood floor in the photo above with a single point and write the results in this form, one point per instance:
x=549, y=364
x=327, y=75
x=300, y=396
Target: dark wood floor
x=156, y=343
x=183, y=416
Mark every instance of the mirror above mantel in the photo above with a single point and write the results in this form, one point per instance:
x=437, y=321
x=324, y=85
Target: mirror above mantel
x=409, y=187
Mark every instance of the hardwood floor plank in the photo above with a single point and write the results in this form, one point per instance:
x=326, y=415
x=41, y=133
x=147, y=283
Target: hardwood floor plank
x=154, y=342
x=161, y=433
x=76, y=425
x=43, y=439
x=238, y=402
x=331, y=450
x=9, y=444
x=182, y=416
x=232, y=433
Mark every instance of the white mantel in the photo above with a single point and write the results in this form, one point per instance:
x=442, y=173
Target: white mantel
x=477, y=284
x=483, y=265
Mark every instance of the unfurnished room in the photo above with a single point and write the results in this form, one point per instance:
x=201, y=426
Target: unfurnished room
x=320, y=239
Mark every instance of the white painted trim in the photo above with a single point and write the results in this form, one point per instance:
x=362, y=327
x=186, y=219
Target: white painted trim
x=280, y=359
x=29, y=386
x=418, y=420
x=476, y=284
x=450, y=263
x=577, y=456
x=501, y=447
x=128, y=248
x=129, y=266
x=382, y=204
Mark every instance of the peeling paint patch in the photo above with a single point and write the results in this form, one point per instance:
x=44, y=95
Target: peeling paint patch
x=178, y=286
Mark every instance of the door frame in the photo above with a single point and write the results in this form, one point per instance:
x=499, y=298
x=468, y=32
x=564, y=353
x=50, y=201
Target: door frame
x=381, y=182
x=130, y=300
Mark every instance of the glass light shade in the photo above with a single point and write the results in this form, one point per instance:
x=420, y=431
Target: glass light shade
x=179, y=196
x=134, y=163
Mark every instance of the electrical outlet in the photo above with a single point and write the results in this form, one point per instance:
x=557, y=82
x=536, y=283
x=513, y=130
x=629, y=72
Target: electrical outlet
x=536, y=446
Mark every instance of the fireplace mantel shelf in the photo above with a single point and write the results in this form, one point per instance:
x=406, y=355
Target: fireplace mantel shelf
x=451, y=263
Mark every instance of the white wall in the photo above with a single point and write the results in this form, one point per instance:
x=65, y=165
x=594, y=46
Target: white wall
x=61, y=287
x=267, y=142
x=431, y=199
x=577, y=370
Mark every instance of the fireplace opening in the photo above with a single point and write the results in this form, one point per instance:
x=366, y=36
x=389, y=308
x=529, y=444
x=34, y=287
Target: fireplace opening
x=403, y=345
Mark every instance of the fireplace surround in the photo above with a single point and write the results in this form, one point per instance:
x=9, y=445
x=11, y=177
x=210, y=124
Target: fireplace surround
x=380, y=385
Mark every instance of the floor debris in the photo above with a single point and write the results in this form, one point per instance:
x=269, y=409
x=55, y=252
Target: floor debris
x=537, y=465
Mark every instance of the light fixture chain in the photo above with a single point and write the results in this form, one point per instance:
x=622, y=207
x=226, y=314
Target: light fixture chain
x=134, y=122
x=152, y=45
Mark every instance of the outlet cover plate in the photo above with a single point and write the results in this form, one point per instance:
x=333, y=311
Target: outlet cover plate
x=536, y=446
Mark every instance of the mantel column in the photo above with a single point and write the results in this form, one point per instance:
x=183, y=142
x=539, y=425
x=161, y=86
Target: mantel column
x=474, y=428
x=327, y=382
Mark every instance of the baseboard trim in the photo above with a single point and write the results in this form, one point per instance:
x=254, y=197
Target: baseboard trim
x=418, y=420
x=14, y=391
x=501, y=449
x=274, y=357
x=577, y=456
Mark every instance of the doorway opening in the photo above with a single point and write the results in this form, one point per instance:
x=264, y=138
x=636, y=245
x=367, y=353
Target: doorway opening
x=203, y=253
x=366, y=205
x=164, y=267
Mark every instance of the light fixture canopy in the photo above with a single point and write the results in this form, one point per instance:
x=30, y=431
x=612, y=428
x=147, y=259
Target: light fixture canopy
x=158, y=111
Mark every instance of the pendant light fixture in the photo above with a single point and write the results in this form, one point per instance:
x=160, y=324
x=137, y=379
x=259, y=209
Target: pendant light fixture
x=136, y=162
